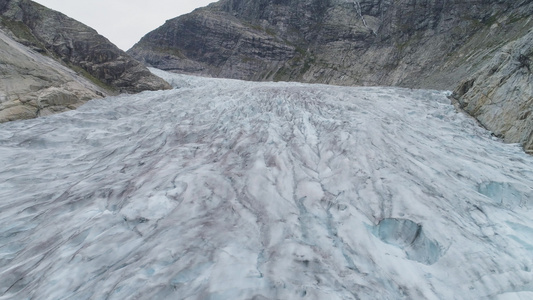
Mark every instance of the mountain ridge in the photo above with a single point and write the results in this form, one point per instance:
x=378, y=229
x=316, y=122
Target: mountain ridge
x=371, y=42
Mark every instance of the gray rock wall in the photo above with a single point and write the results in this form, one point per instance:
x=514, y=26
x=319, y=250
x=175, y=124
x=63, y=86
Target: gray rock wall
x=500, y=95
x=53, y=63
x=374, y=42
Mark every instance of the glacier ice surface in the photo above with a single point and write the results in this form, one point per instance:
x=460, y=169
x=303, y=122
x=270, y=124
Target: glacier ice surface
x=223, y=189
x=507, y=194
x=410, y=237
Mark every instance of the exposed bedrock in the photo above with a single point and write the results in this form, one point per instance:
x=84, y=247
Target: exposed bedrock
x=500, y=95
x=50, y=63
x=427, y=44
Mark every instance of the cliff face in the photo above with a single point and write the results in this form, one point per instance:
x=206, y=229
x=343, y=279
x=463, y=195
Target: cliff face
x=432, y=44
x=52, y=63
x=500, y=95
x=375, y=42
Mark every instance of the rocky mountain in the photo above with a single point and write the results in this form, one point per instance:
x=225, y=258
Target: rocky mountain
x=432, y=44
x=335, y=41
x=51, y=63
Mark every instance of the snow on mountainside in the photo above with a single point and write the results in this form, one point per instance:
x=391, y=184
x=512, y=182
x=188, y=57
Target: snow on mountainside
x=222, y=189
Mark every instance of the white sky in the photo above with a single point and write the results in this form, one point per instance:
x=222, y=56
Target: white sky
x=124, y=22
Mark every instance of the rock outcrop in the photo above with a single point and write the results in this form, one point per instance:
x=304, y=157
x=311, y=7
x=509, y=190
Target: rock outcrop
x=51, y=63
x=431, y=44
x=32, y=84
x=500, y=95
x=374, y=42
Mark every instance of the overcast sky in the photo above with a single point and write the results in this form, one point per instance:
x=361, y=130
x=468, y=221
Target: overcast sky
x=124, y=22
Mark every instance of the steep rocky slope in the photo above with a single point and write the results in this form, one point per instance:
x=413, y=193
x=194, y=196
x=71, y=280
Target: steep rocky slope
x=422, y=44
x=45, y=54
x=375, y=42
x=500, y=95
x=34, y=85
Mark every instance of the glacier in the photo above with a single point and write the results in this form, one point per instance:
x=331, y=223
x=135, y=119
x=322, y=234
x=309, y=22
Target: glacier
x=225, y=189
